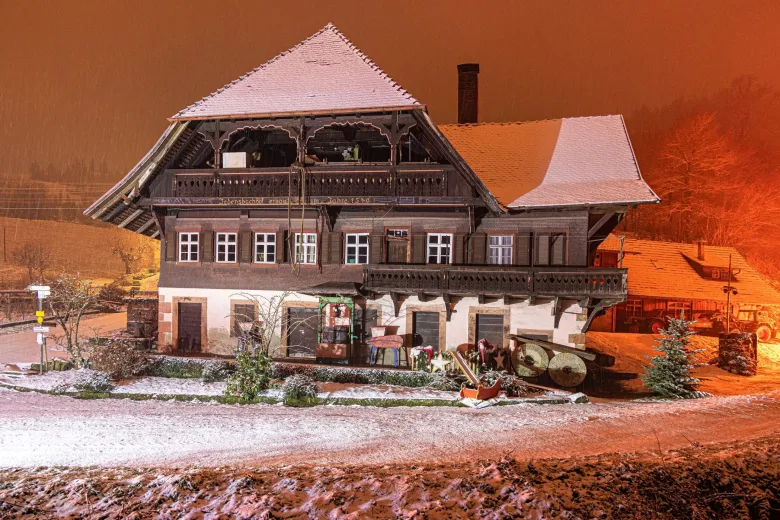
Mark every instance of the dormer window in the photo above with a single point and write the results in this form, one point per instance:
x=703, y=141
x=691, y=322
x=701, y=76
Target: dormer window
x=716, y=274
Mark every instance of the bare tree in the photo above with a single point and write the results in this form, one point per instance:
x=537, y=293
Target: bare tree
x=35, y=257
x=131, y=248
x=70, y=298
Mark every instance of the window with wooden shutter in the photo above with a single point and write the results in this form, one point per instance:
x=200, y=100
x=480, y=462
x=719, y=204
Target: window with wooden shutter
x=376, y=249
x=550, y=249
x=170, y=246
x=478, y=248
x=282, y=254
x=245, y=246
x=418, y=248
x=334, y=248
x=207, y=245
x=523, y=248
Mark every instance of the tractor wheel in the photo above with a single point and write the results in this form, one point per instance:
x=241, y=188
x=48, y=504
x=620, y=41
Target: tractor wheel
x=656, y=327
x=567, y=369
x=735, y=330
x=530, y=360
x=633, y=328
x=764, y=333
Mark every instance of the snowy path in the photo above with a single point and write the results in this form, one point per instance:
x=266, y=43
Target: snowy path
x=38, y=429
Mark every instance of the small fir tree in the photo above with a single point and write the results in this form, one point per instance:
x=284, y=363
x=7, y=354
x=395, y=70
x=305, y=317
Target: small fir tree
x=669, y=375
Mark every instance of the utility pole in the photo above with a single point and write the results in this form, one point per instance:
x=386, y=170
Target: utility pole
x=729, y=291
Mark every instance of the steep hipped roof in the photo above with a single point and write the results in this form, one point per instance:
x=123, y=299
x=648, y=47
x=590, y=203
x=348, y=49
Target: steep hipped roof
x=324, y=73
x=665, y=270
x=561, y=162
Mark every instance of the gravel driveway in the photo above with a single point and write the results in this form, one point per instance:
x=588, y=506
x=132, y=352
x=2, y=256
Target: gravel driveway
x=37, y=429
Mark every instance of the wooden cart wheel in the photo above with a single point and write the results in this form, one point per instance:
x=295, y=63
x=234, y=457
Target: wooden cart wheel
x=530, y=360
x=567, y=369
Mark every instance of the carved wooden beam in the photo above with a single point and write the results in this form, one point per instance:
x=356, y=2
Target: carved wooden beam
x=600, y=224
x=395, y=298
x=447, y=305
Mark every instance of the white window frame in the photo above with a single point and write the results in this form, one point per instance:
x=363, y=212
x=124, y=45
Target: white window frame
x=225, y=239
x=189, y=246
x=500, y=253
x=306, y=250
x=356, y=249
x=634, y=308
x=436, y=248
x=264, y=241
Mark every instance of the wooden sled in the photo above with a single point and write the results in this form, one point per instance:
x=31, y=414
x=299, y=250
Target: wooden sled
x=481, y=393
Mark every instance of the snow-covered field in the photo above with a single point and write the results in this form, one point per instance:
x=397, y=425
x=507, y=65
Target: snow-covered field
x=38, y=429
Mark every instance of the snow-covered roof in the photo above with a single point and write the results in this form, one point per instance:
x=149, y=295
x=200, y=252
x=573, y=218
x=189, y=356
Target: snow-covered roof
x=324, y=73
x=560, y=162
x=668, y=270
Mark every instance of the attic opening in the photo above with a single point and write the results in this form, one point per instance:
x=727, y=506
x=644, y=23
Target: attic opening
x=348, y=143
x=415, y=147
x=259, y=148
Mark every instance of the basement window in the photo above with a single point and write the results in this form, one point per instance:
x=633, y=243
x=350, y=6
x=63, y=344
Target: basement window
x=227, y=247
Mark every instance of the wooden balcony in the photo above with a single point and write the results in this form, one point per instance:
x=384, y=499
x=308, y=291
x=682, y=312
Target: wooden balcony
x=496, y=280
x=331, y=181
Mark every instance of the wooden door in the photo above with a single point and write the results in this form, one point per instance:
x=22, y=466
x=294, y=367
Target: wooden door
x=301, y=332
x=189, y=327
x=425, y=329
x=490, y=327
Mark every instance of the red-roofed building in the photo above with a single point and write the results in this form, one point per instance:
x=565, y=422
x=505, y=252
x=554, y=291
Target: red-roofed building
x=318, y=176
x=667, y=278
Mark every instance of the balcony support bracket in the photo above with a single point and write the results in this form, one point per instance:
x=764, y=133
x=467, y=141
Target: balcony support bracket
x=395, y=298
x=481, y=299
x=556, y=312
x=447, y=305
x=598, y=309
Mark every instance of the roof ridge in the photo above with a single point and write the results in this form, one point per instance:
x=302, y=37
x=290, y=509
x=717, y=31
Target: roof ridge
x=328, y=27
x=528, y=122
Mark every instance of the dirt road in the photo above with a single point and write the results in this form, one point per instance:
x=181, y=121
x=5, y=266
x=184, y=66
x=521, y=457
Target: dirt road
x=38, y=429
x=21, y=347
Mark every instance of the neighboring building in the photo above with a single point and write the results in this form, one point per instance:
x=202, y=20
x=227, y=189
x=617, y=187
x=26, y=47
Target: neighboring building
x=667, y=278
x=319, y=175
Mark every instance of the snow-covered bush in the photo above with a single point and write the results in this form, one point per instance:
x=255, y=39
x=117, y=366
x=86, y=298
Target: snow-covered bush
x=120, y=358
x=165, y=366
x=299, y=387
x=216, y=371
x=252, y=375
x=442, y=381
x=352, y=375
x=87, y=380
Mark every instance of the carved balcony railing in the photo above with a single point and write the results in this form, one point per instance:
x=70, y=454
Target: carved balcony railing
x=574, y=282
x=342, y=180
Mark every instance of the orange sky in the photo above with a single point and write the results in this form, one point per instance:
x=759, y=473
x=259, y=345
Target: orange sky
x=97, y=79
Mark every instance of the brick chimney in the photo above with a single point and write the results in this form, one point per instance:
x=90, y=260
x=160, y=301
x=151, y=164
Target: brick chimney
x=468, y=92
x=701, y=255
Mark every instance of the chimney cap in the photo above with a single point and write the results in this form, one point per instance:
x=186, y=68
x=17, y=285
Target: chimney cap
x=468, y=67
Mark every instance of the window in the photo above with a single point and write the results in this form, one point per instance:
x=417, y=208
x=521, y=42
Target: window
x=439, y=248
x=265, y=248
x=634, y=308
x=716, y=274
x=673, y=309
x=226, y=247
x=551, y=249
x=357, y=248
x=188, y=247
x=500, y=249
x=306, y=248
x=244, y=316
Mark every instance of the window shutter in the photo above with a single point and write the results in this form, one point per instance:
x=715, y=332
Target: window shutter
x=523, y=248
x=336, y=253
x=459, y=248
x=479, y=248
x=376, y=253
x=558, y=249
x=283, y=247
x=207, y=245
x=245, y=246
x=418, y=248
x=170, y=246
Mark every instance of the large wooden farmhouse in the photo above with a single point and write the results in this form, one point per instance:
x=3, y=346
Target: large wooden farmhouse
x=319, y=176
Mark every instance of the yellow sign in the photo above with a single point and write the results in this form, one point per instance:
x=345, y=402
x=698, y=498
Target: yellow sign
x=40, y=319
x=39, y=313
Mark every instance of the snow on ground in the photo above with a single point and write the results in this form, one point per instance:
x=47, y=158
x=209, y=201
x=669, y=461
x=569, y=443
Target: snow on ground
x=38, y=429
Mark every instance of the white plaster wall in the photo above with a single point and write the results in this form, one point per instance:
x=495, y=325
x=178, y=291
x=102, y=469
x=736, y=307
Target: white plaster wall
x=522, y=314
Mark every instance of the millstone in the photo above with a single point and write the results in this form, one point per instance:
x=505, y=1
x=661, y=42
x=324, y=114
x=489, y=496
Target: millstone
x=567, y=369
x=530, y=360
